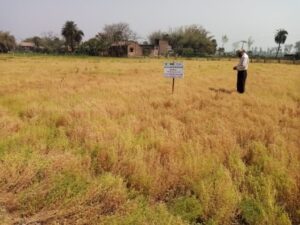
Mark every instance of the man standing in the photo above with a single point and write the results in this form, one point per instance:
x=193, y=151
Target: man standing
x=242, y=68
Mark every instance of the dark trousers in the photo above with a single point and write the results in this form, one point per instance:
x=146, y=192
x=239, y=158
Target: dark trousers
x=241, y=81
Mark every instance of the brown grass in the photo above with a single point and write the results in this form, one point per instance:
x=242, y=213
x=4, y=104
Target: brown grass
x=103, y=141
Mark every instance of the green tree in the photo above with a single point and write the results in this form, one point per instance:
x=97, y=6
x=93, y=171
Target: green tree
x=288, y=48
x=47, y=43
x=52, y=43
x=110, y=34
x=37, y=41
x=193, y=39
x=280, y=38
x=93, y=47
x=297, y=46
x=72, y=35
x=224, y=40
x=157, y=35
x=7, y=42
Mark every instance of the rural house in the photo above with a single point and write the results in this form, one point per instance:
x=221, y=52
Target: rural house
x=27, y=46
x=134, y=49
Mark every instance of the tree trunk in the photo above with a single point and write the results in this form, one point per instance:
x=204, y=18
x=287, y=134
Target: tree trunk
x=278, y=50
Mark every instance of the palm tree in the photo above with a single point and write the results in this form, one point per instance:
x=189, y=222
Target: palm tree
x=72, y=35
x=280, y=38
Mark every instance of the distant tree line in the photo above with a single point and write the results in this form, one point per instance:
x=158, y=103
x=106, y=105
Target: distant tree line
x=48, y=43
x=185, y=41
x=190, y=40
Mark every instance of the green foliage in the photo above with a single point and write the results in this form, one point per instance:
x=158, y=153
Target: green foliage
x=7, y=42
x=280, y=38
x=140, y=212
x=297, y=47
x=187, y=52
x=65, y=186
x=252, y=211
x=48, y=43
x=217, y=194
x=189, y=37
x=61, y=189
x=72, y=35
x=93, y=47
x=37, y=41
x=188, y=208
x=266, y=183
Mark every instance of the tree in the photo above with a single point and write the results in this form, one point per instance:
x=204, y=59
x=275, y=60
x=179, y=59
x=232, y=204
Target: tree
x=190, y=40
x=47, y=43
x=93, y=47
x=7, y=42
x=297, y=46
x=213, y=48
x=118, y=32
x=110, y=34
x=235, y=45
x=72, y=35
x=157, y=35
x=52, y=43
x=250, y=42
x=243, y=42
x=288, y=48
x=280, y=38
x=224, y=40
x=37, y=41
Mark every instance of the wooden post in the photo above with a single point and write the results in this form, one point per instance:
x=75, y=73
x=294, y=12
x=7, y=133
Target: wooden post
x=173, y=85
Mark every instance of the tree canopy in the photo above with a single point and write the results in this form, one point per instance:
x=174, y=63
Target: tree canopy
x=72, y=35
x=191, y=40
x=297, y=46
x=118, y=32
x=280, y=38
x=7, y=42
x=47, y=43
x=111, y=33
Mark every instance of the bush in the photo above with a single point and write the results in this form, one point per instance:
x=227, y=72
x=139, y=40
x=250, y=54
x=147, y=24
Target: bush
x=188, y=208
x=252, y=211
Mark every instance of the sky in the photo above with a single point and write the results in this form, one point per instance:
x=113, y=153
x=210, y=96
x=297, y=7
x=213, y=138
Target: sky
x=238, y=19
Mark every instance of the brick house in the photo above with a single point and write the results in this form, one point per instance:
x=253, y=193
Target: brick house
x=134, y=49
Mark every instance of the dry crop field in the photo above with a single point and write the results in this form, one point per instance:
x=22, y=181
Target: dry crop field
x=103, y=141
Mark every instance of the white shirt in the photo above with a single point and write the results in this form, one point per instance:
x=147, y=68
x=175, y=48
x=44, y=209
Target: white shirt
x=244, y=62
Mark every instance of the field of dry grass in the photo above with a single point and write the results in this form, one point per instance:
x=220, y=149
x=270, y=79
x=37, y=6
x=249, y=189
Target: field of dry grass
x=103, y=141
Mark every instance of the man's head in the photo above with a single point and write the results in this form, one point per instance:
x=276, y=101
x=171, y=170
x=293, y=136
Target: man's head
x=240, y=52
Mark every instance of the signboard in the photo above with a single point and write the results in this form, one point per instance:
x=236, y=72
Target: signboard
x=173, y=70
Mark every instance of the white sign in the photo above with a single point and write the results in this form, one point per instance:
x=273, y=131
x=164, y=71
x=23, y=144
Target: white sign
x=173, y=70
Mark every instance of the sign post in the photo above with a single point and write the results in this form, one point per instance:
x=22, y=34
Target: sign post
x=173, y=70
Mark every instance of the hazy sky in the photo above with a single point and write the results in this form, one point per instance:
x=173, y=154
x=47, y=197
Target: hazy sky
x=239, y=19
